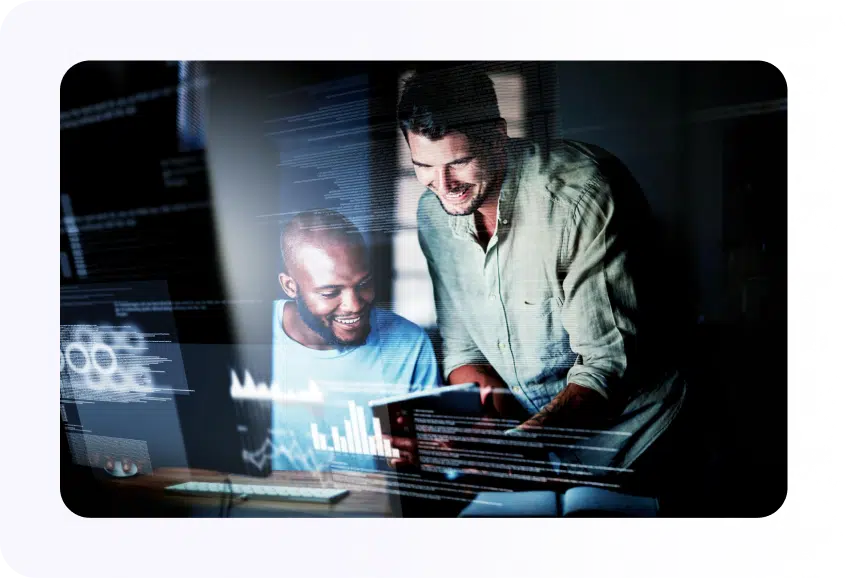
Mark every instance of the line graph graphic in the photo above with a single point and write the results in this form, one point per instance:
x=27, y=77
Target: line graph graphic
x=249, y=390
x=286, y=446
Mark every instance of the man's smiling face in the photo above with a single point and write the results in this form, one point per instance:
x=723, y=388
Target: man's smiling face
x=334, y=291
x=460, y=174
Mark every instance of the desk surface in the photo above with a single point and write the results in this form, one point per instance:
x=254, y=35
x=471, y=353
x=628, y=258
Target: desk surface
x=371, y=503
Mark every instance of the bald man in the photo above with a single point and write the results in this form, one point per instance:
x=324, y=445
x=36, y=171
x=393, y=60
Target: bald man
x=329, y=333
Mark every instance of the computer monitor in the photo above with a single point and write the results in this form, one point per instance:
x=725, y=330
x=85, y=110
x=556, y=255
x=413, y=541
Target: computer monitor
x=146, y=339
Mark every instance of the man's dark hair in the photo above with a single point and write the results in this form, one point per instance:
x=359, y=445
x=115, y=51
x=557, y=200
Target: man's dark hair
x=317, y=224
x=435, y=103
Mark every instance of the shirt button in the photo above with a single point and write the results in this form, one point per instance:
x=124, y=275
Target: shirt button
x=492, y=297
x=501, y=344
x=504, y=221
x=516, y=389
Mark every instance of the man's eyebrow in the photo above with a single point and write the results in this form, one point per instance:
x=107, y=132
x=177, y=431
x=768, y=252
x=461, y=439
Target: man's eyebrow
x=453, y=162
x=330, y=287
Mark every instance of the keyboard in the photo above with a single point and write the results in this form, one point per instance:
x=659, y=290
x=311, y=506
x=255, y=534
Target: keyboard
x=261, y=492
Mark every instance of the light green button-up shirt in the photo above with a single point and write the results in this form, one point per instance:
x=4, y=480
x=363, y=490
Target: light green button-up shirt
x=550, y=301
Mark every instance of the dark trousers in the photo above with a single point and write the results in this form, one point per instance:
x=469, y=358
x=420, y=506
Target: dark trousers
x=679, y=469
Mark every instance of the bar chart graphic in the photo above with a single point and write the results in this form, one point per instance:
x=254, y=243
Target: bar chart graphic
x=356, y=439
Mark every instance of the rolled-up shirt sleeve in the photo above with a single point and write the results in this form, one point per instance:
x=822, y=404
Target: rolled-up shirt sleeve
x=599, y=302
x=458, y=347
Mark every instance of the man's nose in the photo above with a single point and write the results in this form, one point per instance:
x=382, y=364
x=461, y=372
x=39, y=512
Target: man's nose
x=352, y=301
x=445, y=180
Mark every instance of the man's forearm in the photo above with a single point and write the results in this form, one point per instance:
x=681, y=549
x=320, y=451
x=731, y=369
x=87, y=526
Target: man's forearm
x=574, y=406
x=495, y=396
x=483, y=375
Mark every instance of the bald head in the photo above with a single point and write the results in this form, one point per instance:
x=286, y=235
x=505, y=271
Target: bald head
x=320, y=229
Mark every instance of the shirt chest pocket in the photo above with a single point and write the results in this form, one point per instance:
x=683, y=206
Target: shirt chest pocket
x=541, y=335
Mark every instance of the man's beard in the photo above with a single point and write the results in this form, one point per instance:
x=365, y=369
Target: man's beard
x=474, y=204
x=326, y=333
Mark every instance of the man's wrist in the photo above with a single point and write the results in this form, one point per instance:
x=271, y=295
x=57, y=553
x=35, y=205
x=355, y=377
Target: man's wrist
x=576, y=405
x=482, y=374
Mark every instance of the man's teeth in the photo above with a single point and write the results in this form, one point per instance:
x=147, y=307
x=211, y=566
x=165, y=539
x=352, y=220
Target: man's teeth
x=348, y=321
x=458, y=194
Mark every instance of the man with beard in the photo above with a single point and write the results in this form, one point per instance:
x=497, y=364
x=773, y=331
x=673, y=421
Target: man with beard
x=329, y=335
x=537, y=260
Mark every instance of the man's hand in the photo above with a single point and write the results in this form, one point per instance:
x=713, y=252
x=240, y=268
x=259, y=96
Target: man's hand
x=407, y=447
x=495, y=396
x=574, y=407
x=497, y=401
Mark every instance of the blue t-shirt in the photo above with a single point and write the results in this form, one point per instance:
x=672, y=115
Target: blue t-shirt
x=327, y=419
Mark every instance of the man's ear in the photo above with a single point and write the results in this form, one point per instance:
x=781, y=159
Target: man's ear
x=500, y=132
x=495, y=140
x=289, y=286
